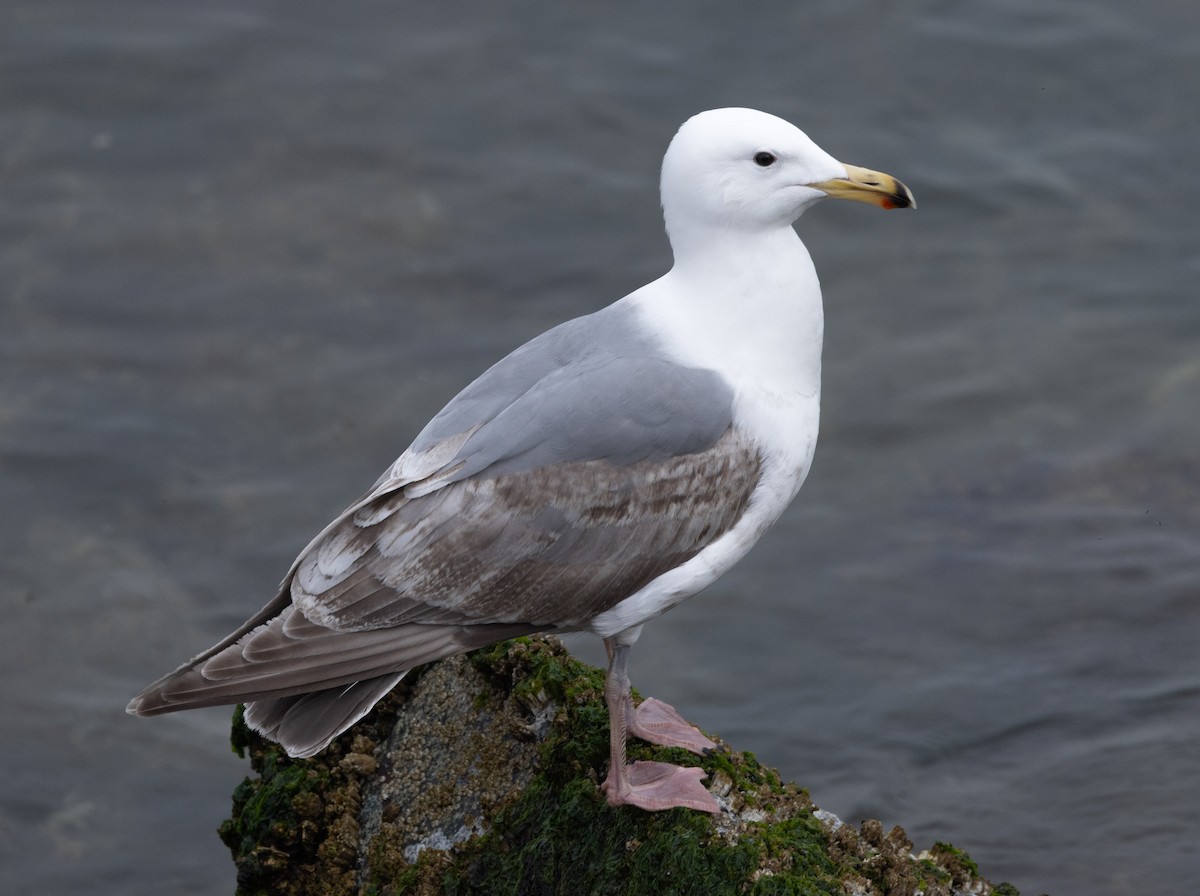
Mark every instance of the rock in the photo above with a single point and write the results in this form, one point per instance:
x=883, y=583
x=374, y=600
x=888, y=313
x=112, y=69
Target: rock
x=481, y=774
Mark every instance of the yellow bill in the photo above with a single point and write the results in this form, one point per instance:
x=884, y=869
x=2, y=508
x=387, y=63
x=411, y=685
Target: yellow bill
x=865, y=185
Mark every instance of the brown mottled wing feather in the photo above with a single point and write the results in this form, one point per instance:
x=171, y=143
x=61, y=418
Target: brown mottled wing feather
x=397, y=582
x=549, y=548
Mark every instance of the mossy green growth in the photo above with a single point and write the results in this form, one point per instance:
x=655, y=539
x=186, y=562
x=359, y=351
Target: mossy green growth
x=300, y=827
x=266, y=832
x=268, y=806
x=294, y=829
x=951, y=856
x=562, y=840
x=561, y=837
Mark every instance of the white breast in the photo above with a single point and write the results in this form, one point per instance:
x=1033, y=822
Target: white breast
x=765, y=340
x=786, y=457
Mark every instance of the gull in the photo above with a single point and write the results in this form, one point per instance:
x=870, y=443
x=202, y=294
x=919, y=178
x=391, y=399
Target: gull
x=591, y=480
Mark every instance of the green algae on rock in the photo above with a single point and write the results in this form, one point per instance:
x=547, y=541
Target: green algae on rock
x=481, y=774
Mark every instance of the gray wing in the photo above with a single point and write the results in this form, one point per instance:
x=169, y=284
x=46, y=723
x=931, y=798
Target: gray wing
x=563, y=480
x=568, y=476
x=595, y=388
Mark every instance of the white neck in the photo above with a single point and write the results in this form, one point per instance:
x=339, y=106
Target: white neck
x=747, y=304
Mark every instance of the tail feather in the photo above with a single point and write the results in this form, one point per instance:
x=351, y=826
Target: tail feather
x=303, y=683
x=305, y=724
x=279, y=660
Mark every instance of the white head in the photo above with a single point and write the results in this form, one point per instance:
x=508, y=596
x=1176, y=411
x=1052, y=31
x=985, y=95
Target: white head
x=739, y=169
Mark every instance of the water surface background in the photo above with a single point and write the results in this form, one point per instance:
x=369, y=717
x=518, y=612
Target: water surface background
x=247, y=249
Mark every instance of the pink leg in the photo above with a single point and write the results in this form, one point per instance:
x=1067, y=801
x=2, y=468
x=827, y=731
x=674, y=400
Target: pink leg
x=648, y=785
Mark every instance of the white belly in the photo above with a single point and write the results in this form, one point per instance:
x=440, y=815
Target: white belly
x=785, y=427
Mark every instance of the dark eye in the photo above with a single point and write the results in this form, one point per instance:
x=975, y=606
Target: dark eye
x=764, y=159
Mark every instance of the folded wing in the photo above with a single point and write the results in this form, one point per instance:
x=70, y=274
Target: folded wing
x=560, y=483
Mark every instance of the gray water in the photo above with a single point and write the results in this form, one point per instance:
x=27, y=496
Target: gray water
x=247, y=249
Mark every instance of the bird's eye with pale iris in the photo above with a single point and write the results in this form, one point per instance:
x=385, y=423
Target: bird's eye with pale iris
x=764, y=159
